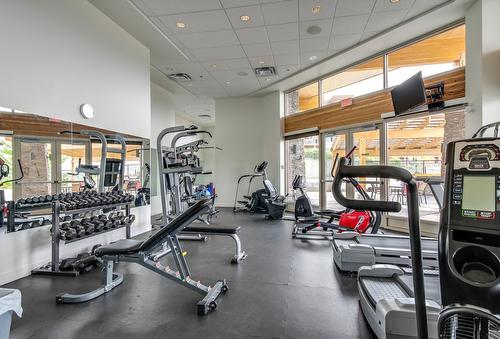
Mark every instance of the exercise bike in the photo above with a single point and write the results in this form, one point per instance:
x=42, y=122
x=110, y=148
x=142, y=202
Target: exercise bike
x=309, y=225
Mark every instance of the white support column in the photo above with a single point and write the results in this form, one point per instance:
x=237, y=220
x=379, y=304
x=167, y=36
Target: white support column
x=482, y=60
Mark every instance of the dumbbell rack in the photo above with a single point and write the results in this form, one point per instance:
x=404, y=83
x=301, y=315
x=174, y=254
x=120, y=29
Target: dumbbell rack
x=52, y=268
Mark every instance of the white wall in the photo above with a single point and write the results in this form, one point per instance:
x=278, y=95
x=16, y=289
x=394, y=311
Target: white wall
x=482, y=59
x=59, y=54
x=248, y=130
x=55, y=56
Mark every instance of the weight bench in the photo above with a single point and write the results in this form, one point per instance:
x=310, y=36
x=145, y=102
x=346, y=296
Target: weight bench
x=230, y=232
x=141, y=252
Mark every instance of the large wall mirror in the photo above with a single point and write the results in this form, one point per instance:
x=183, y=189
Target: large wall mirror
x=42, y=157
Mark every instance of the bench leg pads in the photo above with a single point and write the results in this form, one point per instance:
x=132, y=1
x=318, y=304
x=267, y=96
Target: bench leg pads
x=208, y=303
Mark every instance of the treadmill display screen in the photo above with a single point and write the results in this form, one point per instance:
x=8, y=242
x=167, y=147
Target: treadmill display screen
x=479, y=197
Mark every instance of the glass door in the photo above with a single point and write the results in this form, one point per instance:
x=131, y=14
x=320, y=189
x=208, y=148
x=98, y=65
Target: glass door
x=302, y=156
x=70, y=155
x=333, y=143
x=37, y=159
x=367, y=142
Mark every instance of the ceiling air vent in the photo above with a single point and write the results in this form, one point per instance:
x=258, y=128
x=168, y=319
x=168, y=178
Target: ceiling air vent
x=265, y=71
x=180, y=77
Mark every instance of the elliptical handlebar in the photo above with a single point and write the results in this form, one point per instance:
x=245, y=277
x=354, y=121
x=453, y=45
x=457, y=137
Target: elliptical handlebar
x=390, y=172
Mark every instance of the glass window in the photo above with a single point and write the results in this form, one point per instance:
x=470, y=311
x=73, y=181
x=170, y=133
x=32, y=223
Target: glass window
x=36, y=159
x=6, y=157
x=358, y=80
x=71, y=156
x=302, y=99
x=302, y=158
x=333, y=144
x=437, y=54
x=418, y=145
x=367, y=153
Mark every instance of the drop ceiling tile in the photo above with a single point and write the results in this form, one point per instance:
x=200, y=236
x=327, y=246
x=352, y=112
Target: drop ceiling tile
x=280, y=12
x=197, y=22
x=305, y=58
x=252, y=35
x=237, y=63
x=286, y=59
x=314, y=44
x=238, y=3
x=190, y=68
x=218, y=53
x=327, y=9
x=254, y=12
x=208, y=39
x=385, y=5
x=421, y=6
x=325, y=25
x=267, y=80
x=162, y=7
x=286, y=70
x=368, y=35
x=261, y=61
x=232, y=76
x=384, y=20
x=339, y=42
x=215, y=65
x=349, y=25
x=283, y=32
x=285, y=47
x=257, y=49
x=354, y=7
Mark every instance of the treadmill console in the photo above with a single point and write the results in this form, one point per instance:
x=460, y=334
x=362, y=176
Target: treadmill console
x=475, y=184
x=469, y=231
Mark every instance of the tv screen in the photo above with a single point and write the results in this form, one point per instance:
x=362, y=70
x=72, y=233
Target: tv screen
x=409, y=94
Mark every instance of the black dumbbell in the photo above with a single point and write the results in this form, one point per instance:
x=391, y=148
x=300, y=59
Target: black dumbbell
x=25, y=226
x=46, y=222
x=35, y=223
x=131, y=218
x=80, y=231
x=98, y=225
x=88, y=226
x=67, y=218
x=67, y=234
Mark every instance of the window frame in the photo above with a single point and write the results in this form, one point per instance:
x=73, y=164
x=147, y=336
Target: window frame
x=383, y=54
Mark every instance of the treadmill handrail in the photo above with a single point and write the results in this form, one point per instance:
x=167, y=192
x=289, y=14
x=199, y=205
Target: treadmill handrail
x=390, y=172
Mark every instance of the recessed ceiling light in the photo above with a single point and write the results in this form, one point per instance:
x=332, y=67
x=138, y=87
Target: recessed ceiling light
x=228, y=82
x=242, y=74
x=316, y=9
x=313, y=30
x=180, y=24
x=245, y=18
x=268, y=79
x=313, y=57
x=213, y=65
x=287, y=70
x=394, y=1
x=261, y=62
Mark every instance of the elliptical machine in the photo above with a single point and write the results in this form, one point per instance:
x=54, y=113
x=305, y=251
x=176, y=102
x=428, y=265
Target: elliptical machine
x=265, y=200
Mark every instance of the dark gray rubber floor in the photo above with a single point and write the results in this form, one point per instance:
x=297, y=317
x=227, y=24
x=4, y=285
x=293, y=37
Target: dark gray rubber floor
x=285, y=289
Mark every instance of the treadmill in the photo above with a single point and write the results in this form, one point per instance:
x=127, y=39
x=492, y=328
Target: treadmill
x=386, y=292
x=352, y=250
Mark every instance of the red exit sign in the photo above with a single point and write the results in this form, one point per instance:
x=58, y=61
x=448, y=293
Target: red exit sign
x=346, y=102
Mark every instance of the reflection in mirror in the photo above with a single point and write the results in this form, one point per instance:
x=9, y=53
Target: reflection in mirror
x=56, y=159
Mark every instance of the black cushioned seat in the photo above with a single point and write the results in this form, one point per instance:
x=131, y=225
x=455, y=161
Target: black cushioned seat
x=124, y=246
x=130, y=246
x=328, y=212
x=210, y=229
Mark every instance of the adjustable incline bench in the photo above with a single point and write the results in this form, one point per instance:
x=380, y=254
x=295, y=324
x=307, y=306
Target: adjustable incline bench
x=141, y=252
